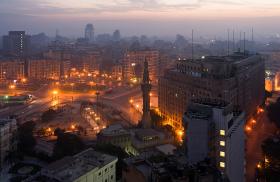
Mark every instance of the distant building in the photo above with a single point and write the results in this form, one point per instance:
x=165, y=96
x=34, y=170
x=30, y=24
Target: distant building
x=16, y=43
x=238, y=79
x=8, y=128
x=215, y=131
x=115, y=135
x=116, y=35
x=86, y=61
x=116, y=72
x=43, y=69
x=133, y=65
x=11, y=69
x=89, y=33
x=64, y=57
x=88, y=165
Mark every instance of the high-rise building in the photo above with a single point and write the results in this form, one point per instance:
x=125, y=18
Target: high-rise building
x=16, y=43
x=8, y=142
x=133, y=65
x=215, y=131
x=237, y=79
x=13, y=69
x=89, y=32
x=116, y=35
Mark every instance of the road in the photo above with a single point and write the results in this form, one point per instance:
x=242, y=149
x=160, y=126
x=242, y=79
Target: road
x=121, y=103
x=263, y=129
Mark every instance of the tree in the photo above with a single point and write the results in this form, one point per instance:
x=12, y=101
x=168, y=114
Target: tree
x=67, y=144
x=271, y=152
x=48, y=115
x=25, y=136
x=273, y=113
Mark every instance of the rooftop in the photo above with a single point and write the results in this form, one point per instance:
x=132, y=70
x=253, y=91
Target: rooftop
x=3, y=122
x=72, y=167
x=115, y=129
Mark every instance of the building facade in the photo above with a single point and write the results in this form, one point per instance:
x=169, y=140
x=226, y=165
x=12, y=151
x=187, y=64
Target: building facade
x=86, y=166
x=43, y=69
x=12, y=70
x=215, y=131
x=237, y=79
x=133, y=65
x=8, y=128
x=89, y=32
x=16, y=43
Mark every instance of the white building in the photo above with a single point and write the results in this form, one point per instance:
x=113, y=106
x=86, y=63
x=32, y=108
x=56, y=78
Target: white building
x=8, y=129
x=87, y=166
x=215, y=131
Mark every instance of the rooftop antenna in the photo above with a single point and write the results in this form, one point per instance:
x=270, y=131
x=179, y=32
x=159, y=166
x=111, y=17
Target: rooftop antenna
x=244, y=42
x=233, y=40
x=240, y=37
x=192, y=45
x=228, y=43
x=252, y=34
x=56, y=34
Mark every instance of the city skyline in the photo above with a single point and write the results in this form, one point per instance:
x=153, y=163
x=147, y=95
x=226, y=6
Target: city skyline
x=156, y=17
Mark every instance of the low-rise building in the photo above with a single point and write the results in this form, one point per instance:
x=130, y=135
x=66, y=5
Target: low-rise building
x=42, y=69
x=115, y=135
x=87, y=166
x=8, y=128
x=11, y=69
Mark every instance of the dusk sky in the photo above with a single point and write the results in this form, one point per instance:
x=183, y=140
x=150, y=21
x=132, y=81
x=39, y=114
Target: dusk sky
x=135, y=17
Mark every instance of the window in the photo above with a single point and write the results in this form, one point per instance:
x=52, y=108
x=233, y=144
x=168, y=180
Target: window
x=222, y=164
x=99, y=174
x=111, y=166
x=222, y=154
x=222, y=132
x=112, y=176
x=106, y=170
x=222, y=143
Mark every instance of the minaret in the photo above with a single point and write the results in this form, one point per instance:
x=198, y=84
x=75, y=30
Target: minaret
x=146, y=88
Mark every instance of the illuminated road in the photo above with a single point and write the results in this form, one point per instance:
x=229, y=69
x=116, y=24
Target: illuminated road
x=262, y=130
x=121, y=103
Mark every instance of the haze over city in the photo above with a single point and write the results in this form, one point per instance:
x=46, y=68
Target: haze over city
x=151, y=17
x=139, y=90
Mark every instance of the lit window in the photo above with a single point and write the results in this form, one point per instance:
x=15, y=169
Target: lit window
x=222, y=154
x=222, y=164
x=222, y=132
x=222, y=143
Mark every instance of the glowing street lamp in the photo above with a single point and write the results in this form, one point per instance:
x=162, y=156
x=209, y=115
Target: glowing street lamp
x=248, y=128
x=23, y=80
x=73, y=127
x=55, y=92
x=12, y=86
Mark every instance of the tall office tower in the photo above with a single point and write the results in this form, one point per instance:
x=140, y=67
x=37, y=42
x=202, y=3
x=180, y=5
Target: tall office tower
x=215, y=131
x=133, y=65
x=16, y=43
x=146, y=88
x=89, y=32
x=116, y=35
x=237, y=79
